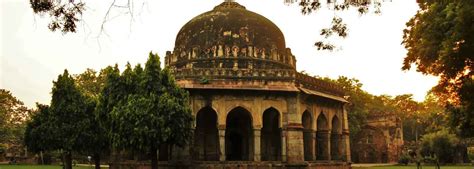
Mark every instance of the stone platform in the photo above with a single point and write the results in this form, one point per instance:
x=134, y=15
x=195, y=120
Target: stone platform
x=234, y=165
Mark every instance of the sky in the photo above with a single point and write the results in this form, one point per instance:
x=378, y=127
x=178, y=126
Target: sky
x=31, y=56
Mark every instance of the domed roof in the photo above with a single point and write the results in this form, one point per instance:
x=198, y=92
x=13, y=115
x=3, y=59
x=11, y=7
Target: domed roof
x=230, y=42
x=230, y=23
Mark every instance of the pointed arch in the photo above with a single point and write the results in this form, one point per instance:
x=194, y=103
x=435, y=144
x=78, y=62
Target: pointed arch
x=336, y=144
x=307, y=122
x=322, y=138
x=271, y=135
x=238, y=135
x=206, y=138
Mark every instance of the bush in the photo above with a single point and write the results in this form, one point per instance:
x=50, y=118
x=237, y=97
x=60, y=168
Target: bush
x=404, y=159
x=440, y=144
x=470, y=153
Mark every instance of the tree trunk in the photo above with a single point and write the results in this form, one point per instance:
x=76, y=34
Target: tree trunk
x=97, y=160
x=68, y=160
x=154, y=157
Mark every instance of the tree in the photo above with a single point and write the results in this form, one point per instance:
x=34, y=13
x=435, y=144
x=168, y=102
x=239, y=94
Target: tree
x=39, y=130
x=71, y=117
x=440, y=145
x=13, y=115
x=440, y=42
x=90, y=84
x=154, y=110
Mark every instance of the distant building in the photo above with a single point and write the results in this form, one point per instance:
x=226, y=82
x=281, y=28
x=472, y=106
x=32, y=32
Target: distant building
x=380, y=141
x=249, y=102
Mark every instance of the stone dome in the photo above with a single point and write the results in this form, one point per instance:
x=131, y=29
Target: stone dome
x=231, y=47
x=230, y=37
x=230, y=24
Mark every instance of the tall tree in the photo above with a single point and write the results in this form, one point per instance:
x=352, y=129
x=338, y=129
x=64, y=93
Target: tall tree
x=155, y=111
x=90, y=83
x=39, y=133
x=71, y=116
x=13, y=115
x=440, y=42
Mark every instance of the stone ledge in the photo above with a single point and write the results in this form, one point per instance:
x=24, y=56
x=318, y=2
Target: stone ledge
x=235, y=165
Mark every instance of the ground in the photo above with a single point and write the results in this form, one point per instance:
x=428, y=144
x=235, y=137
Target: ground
x=41, y=167
x=89, y=167
x=414, y=167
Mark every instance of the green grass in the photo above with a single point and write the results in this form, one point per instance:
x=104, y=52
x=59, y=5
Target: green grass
x=6, y=166
x=414, y=167
x=84, y=167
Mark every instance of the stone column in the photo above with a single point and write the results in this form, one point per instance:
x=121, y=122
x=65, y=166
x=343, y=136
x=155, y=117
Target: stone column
x=314, y=139
x=256, y=141
x=346, y=145
x=283, y=145
x=221, y=143
x=328, y=153
x=345, y=134
x=295, y=143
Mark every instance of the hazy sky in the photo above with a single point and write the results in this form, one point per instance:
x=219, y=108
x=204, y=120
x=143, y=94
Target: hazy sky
x=32, y=56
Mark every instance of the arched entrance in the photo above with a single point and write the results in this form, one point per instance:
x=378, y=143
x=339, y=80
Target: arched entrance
x=322, y=138
x=307, y=122
x=336, y=139
x=271, y=135
x=238, y=135
x=206, y=135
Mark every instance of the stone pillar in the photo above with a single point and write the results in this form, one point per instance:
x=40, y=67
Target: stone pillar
x=295, y=143
x=346, y=145
x=345, y=134
x=256, y=141
x=283, y=145
x=328, y=139
x=221, y=143
x=314, y=138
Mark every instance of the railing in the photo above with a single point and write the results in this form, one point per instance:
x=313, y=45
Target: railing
x=318, y=84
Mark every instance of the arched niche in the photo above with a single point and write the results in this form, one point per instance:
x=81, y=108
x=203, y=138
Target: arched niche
x=238, y=135
x=307, y=122
x=206, y=138
x=322, y=138
x=271, y=135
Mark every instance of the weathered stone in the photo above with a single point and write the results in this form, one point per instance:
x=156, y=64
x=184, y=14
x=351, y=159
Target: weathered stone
x=254, y=109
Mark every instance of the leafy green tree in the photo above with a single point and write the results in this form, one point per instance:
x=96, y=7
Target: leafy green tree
x=154, y=111
x=359, y=99
x=90, y=83
x=71, y=117
x=111, y=93
x=39, y=131
x=13, y=115
x=440, y=145
x=440, y=42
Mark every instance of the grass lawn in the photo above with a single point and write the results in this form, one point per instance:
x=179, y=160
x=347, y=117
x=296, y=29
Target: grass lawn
x=414, y=167
x=6, y=166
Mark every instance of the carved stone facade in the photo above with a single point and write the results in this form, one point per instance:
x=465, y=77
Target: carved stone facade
x=380, y=141
x=252, y=108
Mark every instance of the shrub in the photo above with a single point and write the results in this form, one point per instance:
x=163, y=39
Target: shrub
x=404, y=159
x=440, y=144
x=470, y=153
